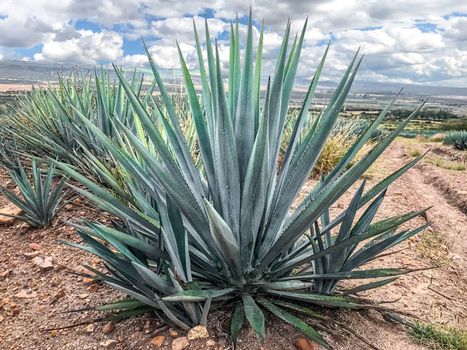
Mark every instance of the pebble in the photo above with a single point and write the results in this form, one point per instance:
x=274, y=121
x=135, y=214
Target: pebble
x=60, y=294
x=180, y=343
x=89, y=328
x=108, y=328
x=210, y=343
x=43, y=263
x=173, y=333
x=30, y=255
x=10, y=210
x=306, y=344
x=88, y=280
x=24, y=294
x=108, y=344
x=5, y=273
x=35, y=246
x=198, y=332
x=158, y=341
x=93, y=288
x=83, y=296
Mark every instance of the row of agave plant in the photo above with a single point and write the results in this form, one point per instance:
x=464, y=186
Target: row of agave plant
x=457, y=138
x=196, y=233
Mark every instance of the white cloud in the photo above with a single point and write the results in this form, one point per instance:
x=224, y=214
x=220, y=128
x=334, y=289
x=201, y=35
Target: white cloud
x=137, y=60
x=88, y=47
x=392, y=34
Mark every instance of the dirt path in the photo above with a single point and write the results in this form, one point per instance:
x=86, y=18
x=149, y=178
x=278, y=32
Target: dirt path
x=438, y=295
x=32, y=299
x=429, y=186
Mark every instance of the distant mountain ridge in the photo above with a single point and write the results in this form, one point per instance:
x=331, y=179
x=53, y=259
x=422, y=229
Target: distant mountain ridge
x=24, y=72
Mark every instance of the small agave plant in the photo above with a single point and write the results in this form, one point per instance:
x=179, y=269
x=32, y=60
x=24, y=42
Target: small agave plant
x=194, y=238
x=39, y=199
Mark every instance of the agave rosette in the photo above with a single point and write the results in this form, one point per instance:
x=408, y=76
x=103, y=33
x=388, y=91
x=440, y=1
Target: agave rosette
x=38, y=199
x=194, y=237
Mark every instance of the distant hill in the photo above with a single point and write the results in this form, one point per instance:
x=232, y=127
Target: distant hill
x=34, y=72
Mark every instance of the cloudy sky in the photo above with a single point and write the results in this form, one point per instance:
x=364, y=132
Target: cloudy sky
x=409, y=41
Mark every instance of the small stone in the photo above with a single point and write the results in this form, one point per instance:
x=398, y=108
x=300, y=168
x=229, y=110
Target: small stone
x=108, y=344
x=158, y=341
x=210, y=343
x=23, y=226
x=24, y=294
x=60, y=294
x=4, y=274
x=88, y=280
x=83, y=296
x=198, y=332
x=173, y=333
x=108, y=328
x=306, y=344
x=147, y=324
x=136, y=335
x=43, y=263
x=53, y=332
x=30, y=255
x=69, y=206
x=180, y=343
x=35, y=246
x=89, y=328
x=9, y=210
x=93, y=287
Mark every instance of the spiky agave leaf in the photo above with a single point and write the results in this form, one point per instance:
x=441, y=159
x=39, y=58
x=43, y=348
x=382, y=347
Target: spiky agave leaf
x=223, y=231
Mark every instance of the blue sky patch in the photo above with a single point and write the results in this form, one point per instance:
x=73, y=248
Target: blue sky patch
x=426, y=27
x=86, y=25
x=28, y=52
x=133, y=47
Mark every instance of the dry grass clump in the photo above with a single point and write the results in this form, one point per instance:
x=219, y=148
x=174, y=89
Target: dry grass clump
x=333, y=151
x=436, y=337
x=439, y=137
x=445, y=163
x=432, y=246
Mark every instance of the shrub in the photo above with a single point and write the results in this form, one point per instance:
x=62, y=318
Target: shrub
x=40, y=199
x=194, y=238
x=457, y=138
x=341, y=138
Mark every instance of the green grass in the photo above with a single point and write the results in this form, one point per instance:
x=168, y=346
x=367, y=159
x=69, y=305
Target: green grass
x=439, y=338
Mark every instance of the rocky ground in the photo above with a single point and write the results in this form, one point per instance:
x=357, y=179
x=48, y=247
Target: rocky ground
x=38, y=286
